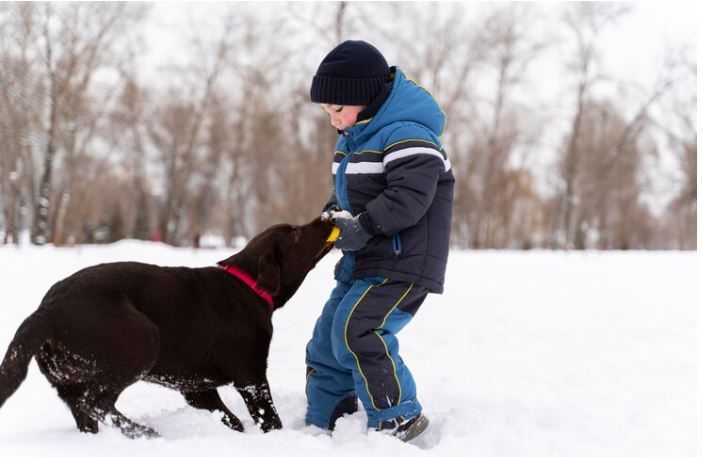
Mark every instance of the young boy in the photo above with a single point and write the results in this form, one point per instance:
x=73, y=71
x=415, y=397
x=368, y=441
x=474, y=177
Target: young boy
x=392, y=201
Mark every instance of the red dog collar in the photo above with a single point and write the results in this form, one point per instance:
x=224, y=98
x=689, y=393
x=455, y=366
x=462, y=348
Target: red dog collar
x=249, y=281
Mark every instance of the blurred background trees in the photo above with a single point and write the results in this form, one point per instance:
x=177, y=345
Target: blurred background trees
x=223, y=140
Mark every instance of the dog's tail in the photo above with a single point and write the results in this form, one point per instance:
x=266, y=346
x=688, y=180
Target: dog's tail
x=30, y=336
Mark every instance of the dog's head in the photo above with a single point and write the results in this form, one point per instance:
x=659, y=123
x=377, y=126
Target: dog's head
x=281, y=256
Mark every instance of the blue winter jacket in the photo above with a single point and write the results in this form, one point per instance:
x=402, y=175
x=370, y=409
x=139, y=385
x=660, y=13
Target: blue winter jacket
x=393, y=166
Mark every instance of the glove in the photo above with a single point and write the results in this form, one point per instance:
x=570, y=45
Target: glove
x=353, y=235
x=329, y=212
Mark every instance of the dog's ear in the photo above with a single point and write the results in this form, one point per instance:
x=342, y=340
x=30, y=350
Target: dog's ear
x=268, y=273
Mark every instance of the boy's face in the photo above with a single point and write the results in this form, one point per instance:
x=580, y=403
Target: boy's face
x=342, y=116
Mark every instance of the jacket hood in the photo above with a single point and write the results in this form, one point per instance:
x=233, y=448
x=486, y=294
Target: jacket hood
x=407, y=102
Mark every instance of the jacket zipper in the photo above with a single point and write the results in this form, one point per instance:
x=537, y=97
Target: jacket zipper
x=341, y=191
x=397, y=244
x=342, y=196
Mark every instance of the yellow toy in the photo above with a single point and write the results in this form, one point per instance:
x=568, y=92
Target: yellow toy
x=333, y=235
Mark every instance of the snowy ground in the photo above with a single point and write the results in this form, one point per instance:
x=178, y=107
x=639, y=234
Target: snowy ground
x=526, y=354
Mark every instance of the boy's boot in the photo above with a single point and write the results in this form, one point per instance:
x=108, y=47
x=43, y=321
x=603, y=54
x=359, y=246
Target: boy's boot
x=405, y=430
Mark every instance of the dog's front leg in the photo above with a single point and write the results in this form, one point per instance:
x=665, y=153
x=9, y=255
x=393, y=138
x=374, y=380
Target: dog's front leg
x=259, y=402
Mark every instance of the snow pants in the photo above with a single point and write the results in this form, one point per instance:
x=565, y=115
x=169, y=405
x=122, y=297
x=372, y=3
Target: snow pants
x=354, y=353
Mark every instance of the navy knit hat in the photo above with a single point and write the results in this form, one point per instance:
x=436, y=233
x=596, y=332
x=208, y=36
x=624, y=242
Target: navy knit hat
x=351, y=74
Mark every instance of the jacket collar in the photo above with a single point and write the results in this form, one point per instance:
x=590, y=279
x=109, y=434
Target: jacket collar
x=407, y=102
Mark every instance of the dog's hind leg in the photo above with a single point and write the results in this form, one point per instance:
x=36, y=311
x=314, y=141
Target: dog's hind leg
x=211, y=401
x=97, y=358
x=73, y=395
x=70, y=376
x=128, y=427
x=98, y=403
x=94, y=403
x=125, y=360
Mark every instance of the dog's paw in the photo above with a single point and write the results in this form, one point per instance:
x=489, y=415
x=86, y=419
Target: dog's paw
x=233, y=422
x=273, y=424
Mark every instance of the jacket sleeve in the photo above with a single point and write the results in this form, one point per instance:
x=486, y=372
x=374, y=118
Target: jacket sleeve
x=412, y=170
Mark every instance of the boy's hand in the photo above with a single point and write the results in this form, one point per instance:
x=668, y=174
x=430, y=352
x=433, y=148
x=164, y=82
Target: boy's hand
x=353, y=236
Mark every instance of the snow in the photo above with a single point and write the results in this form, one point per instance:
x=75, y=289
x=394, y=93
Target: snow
x=526, y=353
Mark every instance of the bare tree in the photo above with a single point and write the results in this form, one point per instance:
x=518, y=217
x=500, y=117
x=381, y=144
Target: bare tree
x=235, y=201
x=610, y=213
x=586, y=21
x=76, y=41
x=511, y=50
x=596, y=174
x=215, y=146
x=18, y=113
x=678, y=122
x=682, y=211
x=178, y=129
x=129, y=135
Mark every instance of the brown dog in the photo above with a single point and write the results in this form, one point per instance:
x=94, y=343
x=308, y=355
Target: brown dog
x=191, y=329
